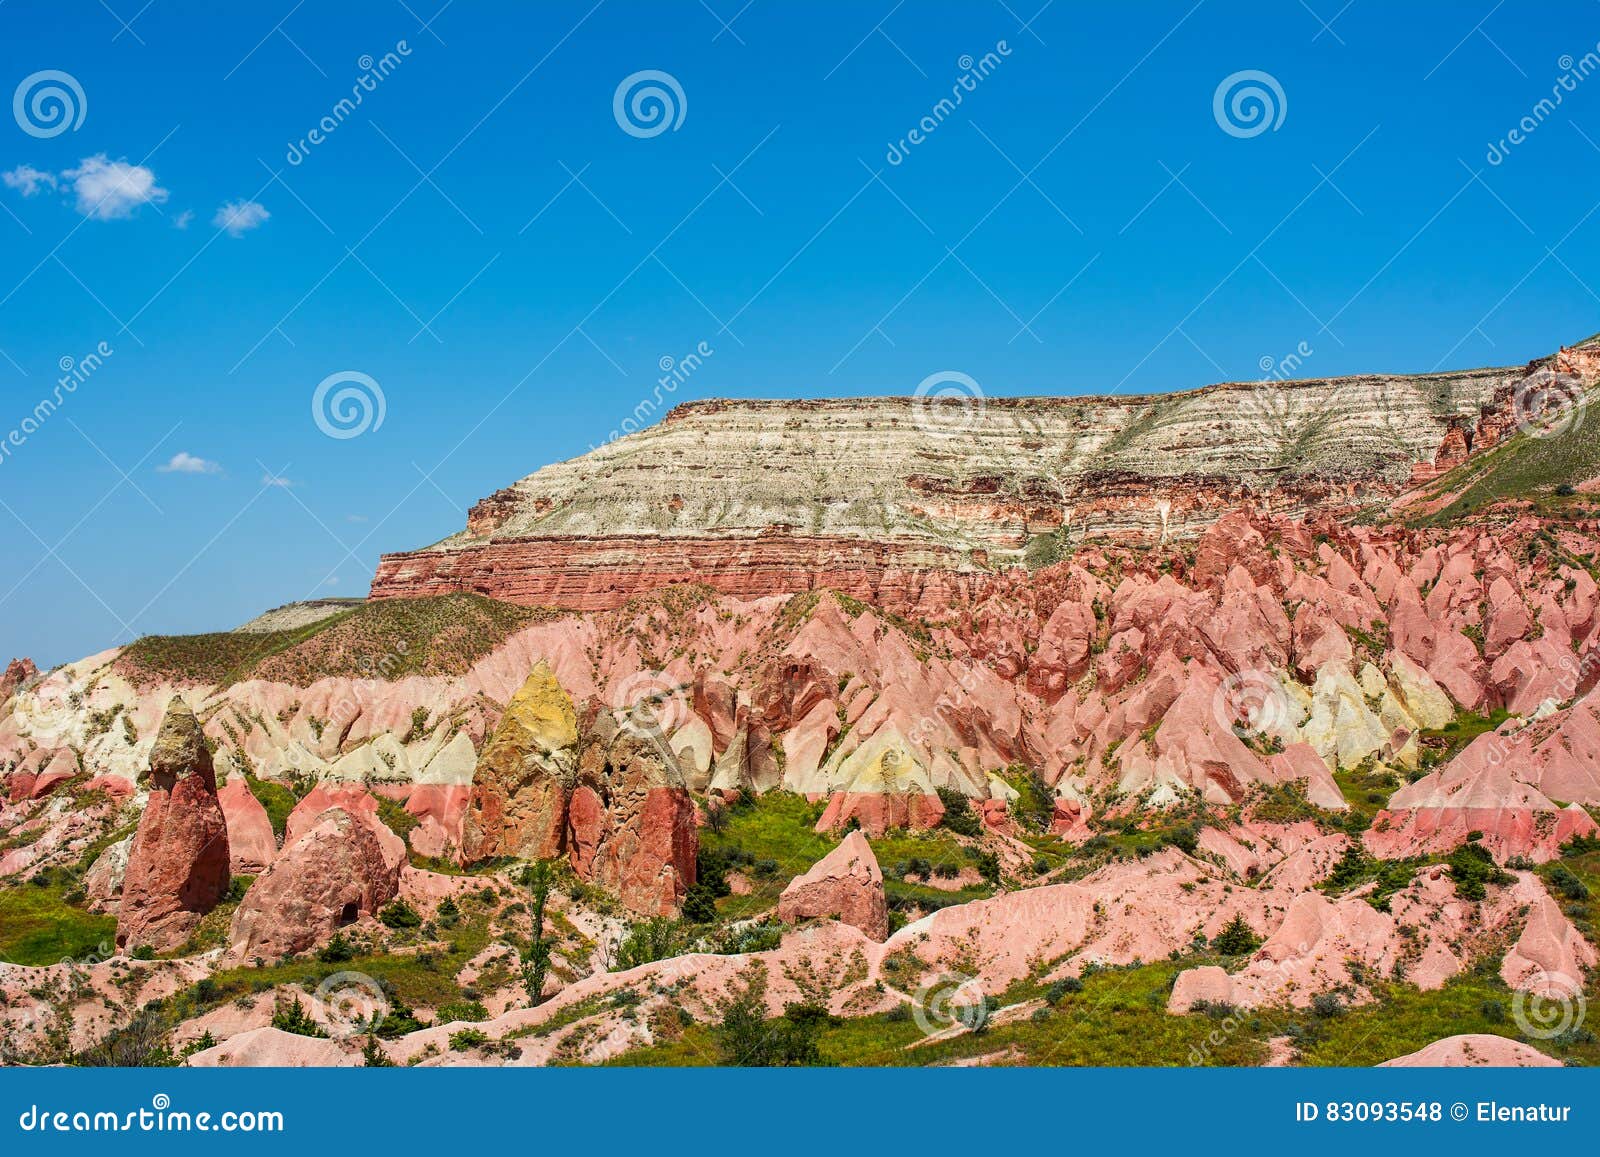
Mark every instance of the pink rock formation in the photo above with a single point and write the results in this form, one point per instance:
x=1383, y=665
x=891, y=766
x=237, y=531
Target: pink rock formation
x=273, y=1048
x=251, y=842
x=1474, y=1050
x=846, y=883
x=17, y=673
x=877, y=812
x=178, y=866
x=643, y=840
x=1550, y=959
x=1207, y=984
x=356, y=802
x=331, y=876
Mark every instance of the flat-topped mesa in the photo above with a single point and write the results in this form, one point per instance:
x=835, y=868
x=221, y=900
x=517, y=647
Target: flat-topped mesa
x=907, y=500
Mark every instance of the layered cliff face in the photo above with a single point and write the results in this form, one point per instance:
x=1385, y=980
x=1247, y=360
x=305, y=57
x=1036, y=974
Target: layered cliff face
x=1326, y=694
x=762, y=497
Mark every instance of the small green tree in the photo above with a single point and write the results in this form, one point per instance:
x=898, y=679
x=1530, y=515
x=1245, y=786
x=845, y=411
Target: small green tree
x=747, y=1039
x=536, y=961
x=448, y=914
x=1236, y=938
x=373, y=1056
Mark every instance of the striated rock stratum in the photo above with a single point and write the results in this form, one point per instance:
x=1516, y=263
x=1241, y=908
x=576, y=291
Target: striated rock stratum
x=1111, y=717
x=866, y=495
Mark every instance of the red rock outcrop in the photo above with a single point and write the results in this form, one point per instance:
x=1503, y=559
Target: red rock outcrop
x=178, y=866
x=847, y=884
x=609, y=795
x=18, y=672
x=631, y=820
x=355, y=801
x=519, y=795
x=331, y=876
x=251, y=842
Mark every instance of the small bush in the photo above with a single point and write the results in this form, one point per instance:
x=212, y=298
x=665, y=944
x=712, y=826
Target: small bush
x=1236, y=938
x=1062, y=988
x=448, y=914
x=399, y=914
x=337, y=950
x=291, y=1016
x=958, y=814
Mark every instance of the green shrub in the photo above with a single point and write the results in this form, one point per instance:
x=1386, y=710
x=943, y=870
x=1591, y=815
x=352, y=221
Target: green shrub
x=399, y=914
x=958, y=814
x=337, y=950
x=652, y=940
x=1236, y=938
x=448, y=914
x=291, y=1016
x=1472, y=868
x=1061, y=988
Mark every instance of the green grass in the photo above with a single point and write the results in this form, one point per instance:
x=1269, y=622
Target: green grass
x=1405, y=1019
x=1582, y=912
x=278, y=801
x=777, y=827
x=1444, y=744
x=389, y=639
x=418, y=980
x=1523, y=468
x=1366, y=788
x=1119, y=1018
x=38, y=927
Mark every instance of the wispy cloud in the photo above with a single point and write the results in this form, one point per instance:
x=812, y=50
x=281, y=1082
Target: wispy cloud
x=184, y=462
x=28, y=179
x=239, y=217
x=108, y=190
x=181, y=221
x=270, y=479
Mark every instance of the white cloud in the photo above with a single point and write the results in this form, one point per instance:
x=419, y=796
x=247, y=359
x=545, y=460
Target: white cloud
x=278, y=480
x=108, y=190
x=29, y=179
x=181, y=221
x=184, y=462
x=239, y=217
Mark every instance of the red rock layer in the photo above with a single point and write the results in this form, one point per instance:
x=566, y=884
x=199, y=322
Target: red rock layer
x=602, y=574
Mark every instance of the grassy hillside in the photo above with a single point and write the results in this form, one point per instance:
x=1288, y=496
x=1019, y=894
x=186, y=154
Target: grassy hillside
x=1544, y=471
x=389, y=639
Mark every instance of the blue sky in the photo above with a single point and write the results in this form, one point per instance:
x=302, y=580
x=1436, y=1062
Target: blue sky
x=483, y=240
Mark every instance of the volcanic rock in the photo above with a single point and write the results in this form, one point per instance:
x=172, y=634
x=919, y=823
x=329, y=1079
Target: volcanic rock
x=519, y=790
x=330, y=877
x=251, y=842
x=274, y=1048
x=1474, y=1050
x=632, y=821
x=846, y=883
x=178, y=866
